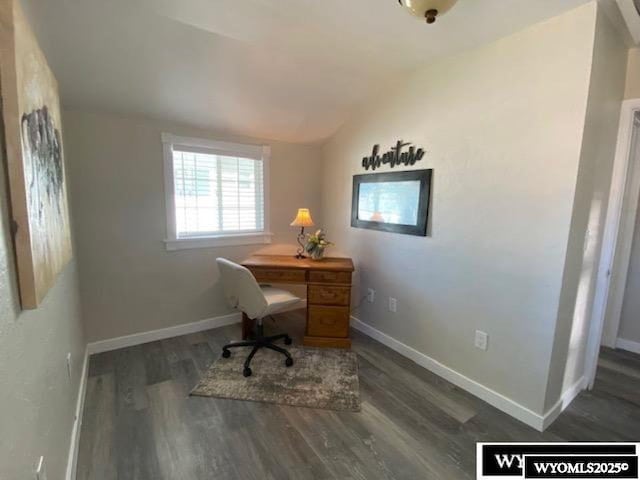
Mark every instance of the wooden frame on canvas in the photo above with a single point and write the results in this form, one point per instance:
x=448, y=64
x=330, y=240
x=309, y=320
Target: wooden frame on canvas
x=35, y=158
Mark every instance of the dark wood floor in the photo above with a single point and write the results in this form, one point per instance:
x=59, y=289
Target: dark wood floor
x=140, y=423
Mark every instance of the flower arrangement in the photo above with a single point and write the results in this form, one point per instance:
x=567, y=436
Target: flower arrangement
x=316, y=243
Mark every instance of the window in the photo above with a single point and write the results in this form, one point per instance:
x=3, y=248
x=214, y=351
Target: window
x=215, y=193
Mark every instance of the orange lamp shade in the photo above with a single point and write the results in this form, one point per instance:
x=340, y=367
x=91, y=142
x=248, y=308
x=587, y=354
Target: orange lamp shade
x=303, y=218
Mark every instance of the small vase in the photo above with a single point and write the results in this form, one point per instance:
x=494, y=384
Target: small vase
x=317, y=253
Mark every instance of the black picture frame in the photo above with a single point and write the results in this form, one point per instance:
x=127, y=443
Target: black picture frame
x=424, y=176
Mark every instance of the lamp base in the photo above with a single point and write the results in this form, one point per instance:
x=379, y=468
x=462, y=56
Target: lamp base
x=300, y=252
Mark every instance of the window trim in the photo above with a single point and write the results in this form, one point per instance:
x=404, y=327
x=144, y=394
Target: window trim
x=256, y=152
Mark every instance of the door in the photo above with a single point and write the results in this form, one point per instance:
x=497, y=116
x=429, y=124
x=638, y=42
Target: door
x=628, y=336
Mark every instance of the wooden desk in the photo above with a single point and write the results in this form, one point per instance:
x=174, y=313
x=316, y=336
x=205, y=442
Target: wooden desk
x=328, y=294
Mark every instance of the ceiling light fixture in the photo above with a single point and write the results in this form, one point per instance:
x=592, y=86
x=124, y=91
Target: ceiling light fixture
x=428, y=9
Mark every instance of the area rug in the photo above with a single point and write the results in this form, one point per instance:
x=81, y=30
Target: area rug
x=319, y=378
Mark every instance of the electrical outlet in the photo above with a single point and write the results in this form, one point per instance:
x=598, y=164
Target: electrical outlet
x=41, y=472
x=69, y=364
x=371, y=295
x=482, y=340
x=393, y=304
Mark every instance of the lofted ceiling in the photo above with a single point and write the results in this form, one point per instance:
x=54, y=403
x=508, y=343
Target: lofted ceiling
x=287, y=70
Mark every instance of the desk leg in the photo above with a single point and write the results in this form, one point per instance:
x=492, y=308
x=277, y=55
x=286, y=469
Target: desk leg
x=247, y=326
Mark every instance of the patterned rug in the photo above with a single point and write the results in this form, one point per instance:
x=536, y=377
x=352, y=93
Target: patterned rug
x=319, y=378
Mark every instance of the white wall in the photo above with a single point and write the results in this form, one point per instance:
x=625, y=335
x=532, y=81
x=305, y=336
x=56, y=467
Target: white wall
x=37, y=397
x=130, y=282
x=590, y=207
x=502, y=126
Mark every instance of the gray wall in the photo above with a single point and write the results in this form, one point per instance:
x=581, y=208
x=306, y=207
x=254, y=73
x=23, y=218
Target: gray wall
x=130, y=282
x=502, y=127
x=37, y=398
x=606, y=92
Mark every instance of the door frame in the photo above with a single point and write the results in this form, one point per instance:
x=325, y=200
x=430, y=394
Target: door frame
x=616, y=244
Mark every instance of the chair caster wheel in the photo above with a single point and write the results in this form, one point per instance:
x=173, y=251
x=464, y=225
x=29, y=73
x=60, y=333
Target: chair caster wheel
x=288, y=341
x=226, y=353
x=288, y=362
x=246, y=372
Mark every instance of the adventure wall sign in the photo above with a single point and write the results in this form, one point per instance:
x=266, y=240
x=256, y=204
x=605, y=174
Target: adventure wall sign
x=393, y=157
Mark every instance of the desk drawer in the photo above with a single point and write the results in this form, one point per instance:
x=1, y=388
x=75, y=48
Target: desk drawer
x=328, y=321
x=279, y=275
x=324, y=276
x=328, y=295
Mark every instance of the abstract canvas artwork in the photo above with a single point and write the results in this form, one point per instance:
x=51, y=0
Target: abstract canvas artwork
x=35, y=157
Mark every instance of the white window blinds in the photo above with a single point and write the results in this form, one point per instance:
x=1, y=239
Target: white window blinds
x=216, y=193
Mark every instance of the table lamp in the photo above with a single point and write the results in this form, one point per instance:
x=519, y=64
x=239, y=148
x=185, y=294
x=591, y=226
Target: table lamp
x=303, y=219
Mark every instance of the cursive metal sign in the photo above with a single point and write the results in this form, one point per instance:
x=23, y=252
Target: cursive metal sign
x=393, y=157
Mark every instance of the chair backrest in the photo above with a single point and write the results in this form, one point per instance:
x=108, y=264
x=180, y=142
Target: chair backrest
x=241, y=288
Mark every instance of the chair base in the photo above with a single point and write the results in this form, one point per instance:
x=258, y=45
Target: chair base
x=260, y=341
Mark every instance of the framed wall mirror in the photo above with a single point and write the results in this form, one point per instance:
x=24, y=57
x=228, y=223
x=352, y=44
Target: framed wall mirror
x=392, y=202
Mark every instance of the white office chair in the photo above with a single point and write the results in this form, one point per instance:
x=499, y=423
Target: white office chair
x=257, y=302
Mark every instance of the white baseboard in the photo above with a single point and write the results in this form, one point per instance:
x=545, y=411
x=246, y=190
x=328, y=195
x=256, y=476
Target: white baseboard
x=564, y=401
x=628, y=345
x=162, y=333
x=499, y=401
x=174, y=331
x=72, y=460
